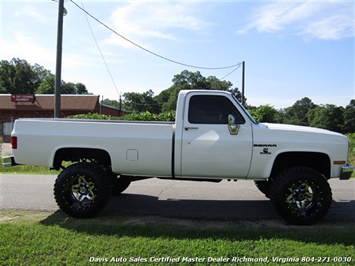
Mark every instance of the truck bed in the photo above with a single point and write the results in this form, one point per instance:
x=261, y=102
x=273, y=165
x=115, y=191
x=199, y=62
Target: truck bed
x=142, y=148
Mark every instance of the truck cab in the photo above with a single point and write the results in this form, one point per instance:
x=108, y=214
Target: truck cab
x=205, y=143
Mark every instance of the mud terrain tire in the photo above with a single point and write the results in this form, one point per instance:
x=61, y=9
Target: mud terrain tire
x=301, y=195
x=82, y=190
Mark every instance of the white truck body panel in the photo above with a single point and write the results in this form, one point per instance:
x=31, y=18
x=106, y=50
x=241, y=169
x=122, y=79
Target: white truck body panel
x=279, y=139
x=185, y=149
x=135, y=148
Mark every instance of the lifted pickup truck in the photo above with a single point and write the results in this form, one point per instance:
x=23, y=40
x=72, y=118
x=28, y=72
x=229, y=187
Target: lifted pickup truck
x=213, y=138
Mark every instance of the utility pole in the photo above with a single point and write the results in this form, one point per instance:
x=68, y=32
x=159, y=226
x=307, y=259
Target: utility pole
x=58, y=70
x=243, y=82
x=121, y=113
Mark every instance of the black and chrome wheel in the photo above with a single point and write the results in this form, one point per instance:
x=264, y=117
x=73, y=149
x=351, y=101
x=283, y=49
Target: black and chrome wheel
x=301, y=195
x=82, y=190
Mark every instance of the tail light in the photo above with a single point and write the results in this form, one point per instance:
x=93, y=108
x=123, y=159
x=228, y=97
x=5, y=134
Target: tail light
x=14, y=142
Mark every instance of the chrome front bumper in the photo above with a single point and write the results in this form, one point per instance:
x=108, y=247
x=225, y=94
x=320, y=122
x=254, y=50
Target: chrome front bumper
x=346, y=172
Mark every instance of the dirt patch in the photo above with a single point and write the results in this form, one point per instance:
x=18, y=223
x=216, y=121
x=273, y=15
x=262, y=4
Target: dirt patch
x=108, y=219
x=15, y=216
x=5, y=219
x=210, y=224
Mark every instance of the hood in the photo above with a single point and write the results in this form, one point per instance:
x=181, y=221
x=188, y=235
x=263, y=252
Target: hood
x=292, y=128
x=305, y=136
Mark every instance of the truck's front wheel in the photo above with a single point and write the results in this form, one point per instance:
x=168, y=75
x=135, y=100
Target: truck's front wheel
x=301, y=195
x=82, y=190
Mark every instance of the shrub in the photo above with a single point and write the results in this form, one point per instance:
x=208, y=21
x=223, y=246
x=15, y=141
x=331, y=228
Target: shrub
x=144, y=116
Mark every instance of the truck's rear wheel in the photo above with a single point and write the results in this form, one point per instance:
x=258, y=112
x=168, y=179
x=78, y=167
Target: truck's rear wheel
x=82, y=190
x=301, y=195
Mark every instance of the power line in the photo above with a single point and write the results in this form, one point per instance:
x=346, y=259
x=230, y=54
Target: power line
x=98, y=47
x=231, y=71
x=149, y=51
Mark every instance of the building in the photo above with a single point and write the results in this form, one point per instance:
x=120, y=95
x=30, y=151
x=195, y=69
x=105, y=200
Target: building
x=13, y=107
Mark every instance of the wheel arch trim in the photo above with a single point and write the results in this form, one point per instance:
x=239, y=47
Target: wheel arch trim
x=318, y=161
x=75, y=153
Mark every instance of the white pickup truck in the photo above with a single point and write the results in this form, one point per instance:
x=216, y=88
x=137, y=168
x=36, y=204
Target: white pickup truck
x=213, y=138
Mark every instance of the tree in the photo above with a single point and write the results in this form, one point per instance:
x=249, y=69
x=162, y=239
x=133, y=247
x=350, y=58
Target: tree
x=297, y=113
x=167, y=99
x=81, y=88
x=238, y=94
x=187, y=80
x=113, y=103
x=214, y=83
x=349, y=117
x=42, y=73
x=328, y=117
x=265, y=113
x=71, y=88
x=18, y=77
x=47, y=85
x=141, y=102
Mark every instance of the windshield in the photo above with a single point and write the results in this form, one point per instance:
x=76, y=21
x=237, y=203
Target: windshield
x=245, y=111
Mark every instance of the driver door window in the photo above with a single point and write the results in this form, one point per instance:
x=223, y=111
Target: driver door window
x=209, y=109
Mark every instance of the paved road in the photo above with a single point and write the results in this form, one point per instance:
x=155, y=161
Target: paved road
x=165, y=198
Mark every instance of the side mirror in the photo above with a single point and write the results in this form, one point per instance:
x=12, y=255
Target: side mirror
x=231, y=119
x=233, y=128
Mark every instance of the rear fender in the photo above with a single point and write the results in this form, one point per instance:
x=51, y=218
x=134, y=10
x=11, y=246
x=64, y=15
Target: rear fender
x=81, y=154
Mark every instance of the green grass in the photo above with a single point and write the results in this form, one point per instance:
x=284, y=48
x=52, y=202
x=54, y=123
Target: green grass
x=28, y=169
x=42, y=238
x=351, y=137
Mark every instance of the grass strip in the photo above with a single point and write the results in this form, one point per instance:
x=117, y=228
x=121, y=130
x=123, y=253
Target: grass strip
x=42, y=238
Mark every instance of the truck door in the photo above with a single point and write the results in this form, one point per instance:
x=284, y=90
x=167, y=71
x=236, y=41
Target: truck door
x=209, y=147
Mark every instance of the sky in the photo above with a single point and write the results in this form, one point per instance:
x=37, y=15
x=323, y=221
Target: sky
x=291, y=49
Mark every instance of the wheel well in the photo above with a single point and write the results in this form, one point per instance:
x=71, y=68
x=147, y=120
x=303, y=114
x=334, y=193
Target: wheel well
x=81, y=154
x=317, y=161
